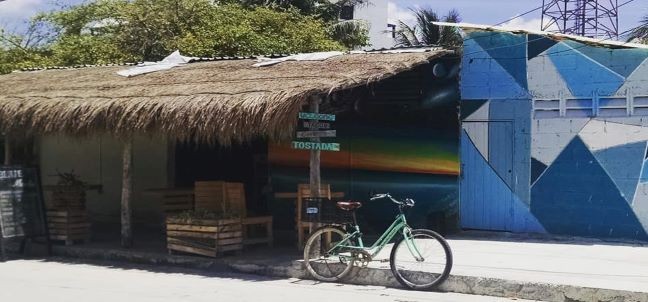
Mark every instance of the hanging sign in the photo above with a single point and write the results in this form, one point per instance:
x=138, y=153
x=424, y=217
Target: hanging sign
x=309, y=124
x=311, y=134
x=316, y=146
x=316, y=116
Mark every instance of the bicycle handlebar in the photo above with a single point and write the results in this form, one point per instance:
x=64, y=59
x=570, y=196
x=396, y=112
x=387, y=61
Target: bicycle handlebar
x=407, y=202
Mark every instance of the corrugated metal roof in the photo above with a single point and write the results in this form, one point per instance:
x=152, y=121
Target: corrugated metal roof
x=555, y=36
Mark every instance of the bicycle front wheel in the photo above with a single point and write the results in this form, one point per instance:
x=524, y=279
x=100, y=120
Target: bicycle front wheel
x=423, y=262
x=323, y=260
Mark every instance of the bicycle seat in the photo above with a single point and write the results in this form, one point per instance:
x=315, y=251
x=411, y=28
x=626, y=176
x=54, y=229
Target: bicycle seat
x=348, y=205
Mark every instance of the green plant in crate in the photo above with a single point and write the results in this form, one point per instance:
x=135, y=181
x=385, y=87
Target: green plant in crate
x=70, y=191
x=202, y=214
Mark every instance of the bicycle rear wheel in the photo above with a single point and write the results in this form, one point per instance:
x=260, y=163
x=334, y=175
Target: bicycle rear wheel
x=431, y=269
x=323, y=263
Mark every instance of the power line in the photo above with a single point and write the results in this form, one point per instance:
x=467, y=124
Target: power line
x=625, y=3
x=523, y=14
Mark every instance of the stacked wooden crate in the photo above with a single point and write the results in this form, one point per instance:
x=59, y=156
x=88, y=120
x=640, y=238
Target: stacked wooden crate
x=68, y=225
x=219, y=196
x=68, y=198
x=229, y=198
x=176, y=201
x=207, y=237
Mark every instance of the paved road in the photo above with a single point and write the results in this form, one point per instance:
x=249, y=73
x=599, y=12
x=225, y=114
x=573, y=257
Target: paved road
x=33, y=280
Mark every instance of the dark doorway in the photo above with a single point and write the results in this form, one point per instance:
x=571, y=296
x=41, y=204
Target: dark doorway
x=245, y=163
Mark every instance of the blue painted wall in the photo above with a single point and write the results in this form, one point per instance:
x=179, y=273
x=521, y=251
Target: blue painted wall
x=575, y=156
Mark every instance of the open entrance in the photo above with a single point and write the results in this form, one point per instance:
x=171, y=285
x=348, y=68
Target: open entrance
x=246, y=164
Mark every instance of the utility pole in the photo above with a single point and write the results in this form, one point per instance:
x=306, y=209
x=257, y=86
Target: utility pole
x=587, y=18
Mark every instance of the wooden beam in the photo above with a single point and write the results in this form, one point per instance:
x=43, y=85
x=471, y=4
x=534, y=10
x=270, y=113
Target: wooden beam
x=126, y=195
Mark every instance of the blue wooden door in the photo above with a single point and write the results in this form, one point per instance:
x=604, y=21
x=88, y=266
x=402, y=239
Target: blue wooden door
x=486, y=197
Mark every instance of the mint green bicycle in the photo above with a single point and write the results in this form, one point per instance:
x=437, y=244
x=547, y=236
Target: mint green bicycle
x=420, y=259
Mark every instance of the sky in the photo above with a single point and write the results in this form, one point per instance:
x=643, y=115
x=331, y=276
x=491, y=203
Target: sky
x=14, y=13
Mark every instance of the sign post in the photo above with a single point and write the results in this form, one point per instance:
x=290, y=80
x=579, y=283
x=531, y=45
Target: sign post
x=317, y=126
x=315, y=176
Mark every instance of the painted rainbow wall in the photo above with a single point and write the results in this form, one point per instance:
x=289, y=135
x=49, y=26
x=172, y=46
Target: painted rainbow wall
x=389, y=148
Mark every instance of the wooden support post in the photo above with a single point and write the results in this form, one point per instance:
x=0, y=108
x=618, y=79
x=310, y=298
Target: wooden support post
x=126, y=196
x=315, y=176
x=315, y=180
x=7, y=150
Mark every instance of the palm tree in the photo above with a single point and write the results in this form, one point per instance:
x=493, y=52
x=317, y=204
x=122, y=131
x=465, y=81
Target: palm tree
x=641, y=31
x=425, y=33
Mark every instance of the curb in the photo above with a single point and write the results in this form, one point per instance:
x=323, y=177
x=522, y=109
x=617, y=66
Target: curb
x=464, y=285
x=370, y=276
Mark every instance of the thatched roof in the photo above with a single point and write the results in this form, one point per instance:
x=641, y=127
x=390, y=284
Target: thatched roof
x=221, y=101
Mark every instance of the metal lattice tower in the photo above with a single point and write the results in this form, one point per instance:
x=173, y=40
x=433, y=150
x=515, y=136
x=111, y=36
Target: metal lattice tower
x=588, y=18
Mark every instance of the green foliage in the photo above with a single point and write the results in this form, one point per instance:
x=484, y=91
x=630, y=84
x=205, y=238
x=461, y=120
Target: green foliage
x=15, y=58
x=113, y=31
x=351, y=33
x=325, y=10
x=425, y=33
x=233, y=30
x=87, y=49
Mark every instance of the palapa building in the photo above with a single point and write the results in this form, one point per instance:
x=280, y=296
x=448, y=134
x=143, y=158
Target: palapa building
x=134, y=140
x=548, y=134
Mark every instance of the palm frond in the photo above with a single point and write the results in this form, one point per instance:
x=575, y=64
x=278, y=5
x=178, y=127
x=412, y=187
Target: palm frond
x=450, y=36
x=429, y=32
x=641, y=31
x=406, y=36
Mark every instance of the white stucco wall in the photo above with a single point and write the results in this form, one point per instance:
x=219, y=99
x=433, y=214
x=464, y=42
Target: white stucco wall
x=98, y=161
x=377, y=15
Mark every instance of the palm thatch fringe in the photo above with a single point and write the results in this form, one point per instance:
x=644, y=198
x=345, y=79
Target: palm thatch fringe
x=221, y=101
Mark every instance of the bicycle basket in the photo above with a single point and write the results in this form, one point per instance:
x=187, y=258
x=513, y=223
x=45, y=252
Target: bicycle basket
x=322, y=210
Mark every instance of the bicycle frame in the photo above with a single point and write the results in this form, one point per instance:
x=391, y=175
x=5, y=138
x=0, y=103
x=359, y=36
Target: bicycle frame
x=399, y=225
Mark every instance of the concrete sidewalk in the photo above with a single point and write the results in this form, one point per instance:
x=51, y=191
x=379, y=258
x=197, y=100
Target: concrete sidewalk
x=517, y=266
x=556, y=269
x=586, y=263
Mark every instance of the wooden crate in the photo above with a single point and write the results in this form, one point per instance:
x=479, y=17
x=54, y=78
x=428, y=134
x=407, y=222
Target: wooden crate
x=209, y=238
x=68, y=225
x=220, y=196
x=229, y=197
x=65, y=198
x=175, y=202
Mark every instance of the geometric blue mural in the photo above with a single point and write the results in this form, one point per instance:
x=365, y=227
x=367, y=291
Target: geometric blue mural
x=582, y=74
x=537, y=168
x=538, y=44
x=644, y=172
x=575, y=196
x=621, y=61
x=494, y=207
x=509, y=51
x=623, y=164
x=575, y=162
x=486, y=73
